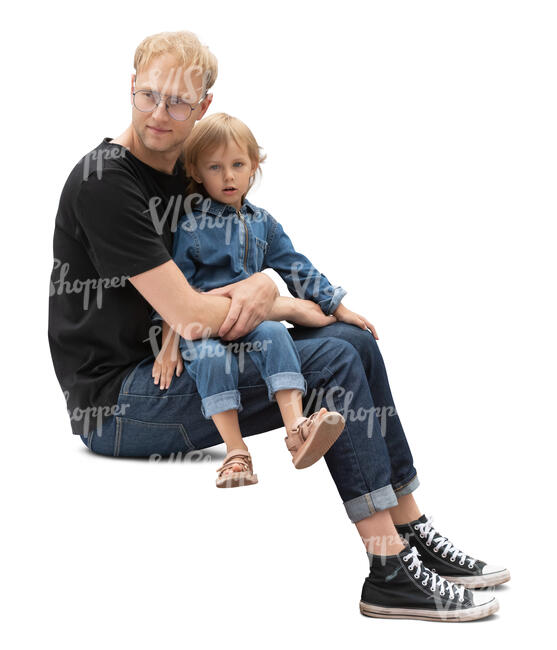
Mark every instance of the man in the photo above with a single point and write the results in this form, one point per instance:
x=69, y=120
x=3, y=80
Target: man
x=113, y=266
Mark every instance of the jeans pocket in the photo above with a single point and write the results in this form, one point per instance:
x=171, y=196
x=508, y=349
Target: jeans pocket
x=138, y=439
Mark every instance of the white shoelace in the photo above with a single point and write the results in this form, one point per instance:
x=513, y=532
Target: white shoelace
x=427, y=530
x=431, y=576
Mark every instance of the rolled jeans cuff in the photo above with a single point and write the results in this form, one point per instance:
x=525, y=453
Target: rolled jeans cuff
x=285, y=381
x=370, y=503
x=407, y=487
x=229, y=400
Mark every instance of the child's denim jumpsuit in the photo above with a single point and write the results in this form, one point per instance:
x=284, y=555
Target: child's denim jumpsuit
x=216, y=245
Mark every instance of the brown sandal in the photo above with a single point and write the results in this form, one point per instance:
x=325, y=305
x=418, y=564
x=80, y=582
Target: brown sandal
x=312, y=437
x=236, y=479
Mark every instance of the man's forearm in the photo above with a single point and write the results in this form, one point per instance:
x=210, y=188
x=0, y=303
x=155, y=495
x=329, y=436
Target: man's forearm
x=188, y=312
x=203, y=317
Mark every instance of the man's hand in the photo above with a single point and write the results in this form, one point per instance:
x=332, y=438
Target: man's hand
x=252, y=301
x=168, y=360
x=346, y=316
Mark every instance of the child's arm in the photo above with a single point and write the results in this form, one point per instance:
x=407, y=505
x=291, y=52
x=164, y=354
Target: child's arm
x=301, y=277
x=304, y=280
x=168, y=359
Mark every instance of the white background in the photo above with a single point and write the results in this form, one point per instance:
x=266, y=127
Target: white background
x=412, y=156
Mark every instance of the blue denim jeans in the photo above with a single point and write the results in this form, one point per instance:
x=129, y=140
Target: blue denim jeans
x=215, y=365
x=370, y=462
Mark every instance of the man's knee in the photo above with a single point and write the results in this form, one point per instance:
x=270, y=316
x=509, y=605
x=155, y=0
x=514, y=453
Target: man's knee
x=361, y=340
x=339, y=352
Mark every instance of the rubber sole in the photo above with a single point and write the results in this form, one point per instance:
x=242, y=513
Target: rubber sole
x=319, y=441
x=477, y=582
x=449, y=616
x=237, y=479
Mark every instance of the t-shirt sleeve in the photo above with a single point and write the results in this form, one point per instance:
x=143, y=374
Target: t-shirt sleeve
x=117, y=226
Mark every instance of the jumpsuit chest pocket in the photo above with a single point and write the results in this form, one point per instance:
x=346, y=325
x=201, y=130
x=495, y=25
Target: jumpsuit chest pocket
x=260, y=250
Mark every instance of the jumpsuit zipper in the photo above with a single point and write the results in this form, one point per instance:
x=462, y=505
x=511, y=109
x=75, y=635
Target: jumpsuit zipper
x=247, y=239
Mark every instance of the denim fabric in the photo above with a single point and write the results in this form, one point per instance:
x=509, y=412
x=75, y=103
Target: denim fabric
x=370, y=462
x=215, y=245
x=214, y=365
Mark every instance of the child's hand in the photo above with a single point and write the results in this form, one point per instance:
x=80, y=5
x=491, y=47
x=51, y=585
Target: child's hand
x=169, y=359
x=346, y=316
x=165, y=366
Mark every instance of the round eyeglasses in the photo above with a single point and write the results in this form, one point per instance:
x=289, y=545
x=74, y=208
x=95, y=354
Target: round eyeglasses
x=147, y=100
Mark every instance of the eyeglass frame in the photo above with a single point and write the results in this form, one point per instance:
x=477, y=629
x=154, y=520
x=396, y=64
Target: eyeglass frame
x=160, y=95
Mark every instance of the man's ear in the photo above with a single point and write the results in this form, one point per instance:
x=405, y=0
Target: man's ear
x=205, y=105
x=132, y=88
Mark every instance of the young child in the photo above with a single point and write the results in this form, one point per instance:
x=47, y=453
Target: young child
x=225, y=239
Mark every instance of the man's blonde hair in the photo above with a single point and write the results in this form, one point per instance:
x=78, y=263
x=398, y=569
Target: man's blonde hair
x=212, y=132
x=185, y=47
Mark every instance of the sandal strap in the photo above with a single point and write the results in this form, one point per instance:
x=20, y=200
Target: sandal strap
x=242, y=457
x=295, y=437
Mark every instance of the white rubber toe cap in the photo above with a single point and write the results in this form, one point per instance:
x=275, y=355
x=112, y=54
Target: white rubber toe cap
x=482, y=597
x=492, y=568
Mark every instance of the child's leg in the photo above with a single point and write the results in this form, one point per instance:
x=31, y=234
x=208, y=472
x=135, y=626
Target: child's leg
x=229, y=428
x=215, y=371
x=290, y=405
x=272, y=350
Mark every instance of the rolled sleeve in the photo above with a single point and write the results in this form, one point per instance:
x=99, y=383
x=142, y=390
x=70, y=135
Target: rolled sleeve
x=330, y=305
x=302, y=278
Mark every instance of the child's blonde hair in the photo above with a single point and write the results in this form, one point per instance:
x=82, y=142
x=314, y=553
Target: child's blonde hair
x=211, y=133
x=185, y=47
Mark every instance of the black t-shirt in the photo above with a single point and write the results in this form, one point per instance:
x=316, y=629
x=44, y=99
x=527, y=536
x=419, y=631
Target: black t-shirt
x=114, y=221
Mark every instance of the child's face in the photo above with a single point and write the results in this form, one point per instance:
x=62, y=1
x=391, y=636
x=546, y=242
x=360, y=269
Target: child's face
x=225, y=173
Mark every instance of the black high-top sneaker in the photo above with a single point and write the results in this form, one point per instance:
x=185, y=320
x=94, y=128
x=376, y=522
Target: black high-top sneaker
x=400, y=586
x=439, y=554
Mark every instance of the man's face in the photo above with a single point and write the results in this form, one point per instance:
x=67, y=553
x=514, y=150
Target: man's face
x=157, y=130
